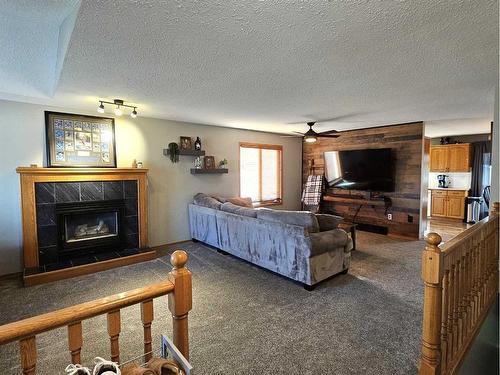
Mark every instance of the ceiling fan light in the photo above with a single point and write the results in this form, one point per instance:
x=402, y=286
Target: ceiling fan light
x=310, y=139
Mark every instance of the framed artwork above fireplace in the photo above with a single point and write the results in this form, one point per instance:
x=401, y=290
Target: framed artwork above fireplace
x=80, y=141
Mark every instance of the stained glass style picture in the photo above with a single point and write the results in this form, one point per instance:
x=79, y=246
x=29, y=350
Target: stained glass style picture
x=80, y=141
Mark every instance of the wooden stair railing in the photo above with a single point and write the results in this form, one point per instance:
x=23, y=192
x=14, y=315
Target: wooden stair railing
x=460, y=286
x=177, y=286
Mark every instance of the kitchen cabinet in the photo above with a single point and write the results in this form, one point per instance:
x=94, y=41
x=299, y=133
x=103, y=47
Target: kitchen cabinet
x=450, y=158
x=448, y=203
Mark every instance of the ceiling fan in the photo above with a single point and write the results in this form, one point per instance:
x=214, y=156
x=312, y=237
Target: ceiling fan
x=311, y=136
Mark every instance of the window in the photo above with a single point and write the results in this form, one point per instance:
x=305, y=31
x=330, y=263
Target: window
x=261, y=173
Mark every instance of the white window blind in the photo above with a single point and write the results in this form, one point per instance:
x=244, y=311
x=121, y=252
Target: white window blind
x=260, y=173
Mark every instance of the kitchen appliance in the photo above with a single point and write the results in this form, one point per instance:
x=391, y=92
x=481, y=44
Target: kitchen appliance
x=443, y=181
x=473, y=209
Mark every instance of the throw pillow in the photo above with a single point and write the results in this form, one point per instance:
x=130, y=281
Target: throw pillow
x=239, y=201
x=202, y=199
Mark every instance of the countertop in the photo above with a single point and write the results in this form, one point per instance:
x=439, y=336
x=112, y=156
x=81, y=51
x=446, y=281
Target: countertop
x=456, y=189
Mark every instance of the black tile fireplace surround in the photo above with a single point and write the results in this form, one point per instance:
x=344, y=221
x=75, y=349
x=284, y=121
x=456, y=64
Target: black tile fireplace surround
x=104, y=213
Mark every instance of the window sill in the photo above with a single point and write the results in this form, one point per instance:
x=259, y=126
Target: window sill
x=267, y=203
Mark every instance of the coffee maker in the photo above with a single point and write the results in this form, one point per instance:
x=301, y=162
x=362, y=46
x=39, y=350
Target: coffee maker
x=443, y=180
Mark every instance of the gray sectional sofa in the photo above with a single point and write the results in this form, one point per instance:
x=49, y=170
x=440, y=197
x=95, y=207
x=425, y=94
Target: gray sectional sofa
x=300, y=245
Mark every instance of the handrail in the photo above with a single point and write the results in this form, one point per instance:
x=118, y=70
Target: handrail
x=55, y=319
x=460, y=285
x=178, y=286
x=451, y=245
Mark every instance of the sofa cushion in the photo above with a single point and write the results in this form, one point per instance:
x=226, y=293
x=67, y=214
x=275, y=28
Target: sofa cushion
x=304, y=219
x=330, y=240
x=328, y=222
x=202, y=199
x=238, y=210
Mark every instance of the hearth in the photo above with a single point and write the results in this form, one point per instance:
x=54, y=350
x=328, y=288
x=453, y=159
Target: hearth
x=82, y=220
x=85, y=228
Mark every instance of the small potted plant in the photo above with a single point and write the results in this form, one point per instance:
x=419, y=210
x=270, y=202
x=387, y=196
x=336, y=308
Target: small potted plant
x=173, y=152
x=223, y=164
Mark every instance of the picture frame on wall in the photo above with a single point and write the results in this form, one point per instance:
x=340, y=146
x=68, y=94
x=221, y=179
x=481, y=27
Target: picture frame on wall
x=209, y=162
x=83, y=141
x=186, y=143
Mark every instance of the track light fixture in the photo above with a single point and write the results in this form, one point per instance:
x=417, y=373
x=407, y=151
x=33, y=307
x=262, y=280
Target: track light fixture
x=118, y=110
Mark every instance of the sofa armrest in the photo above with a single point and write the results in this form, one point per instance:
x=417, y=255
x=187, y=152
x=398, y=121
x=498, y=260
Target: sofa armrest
x=323, y=242
x=328, y=222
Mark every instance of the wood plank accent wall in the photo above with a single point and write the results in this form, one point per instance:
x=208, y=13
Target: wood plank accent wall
x=406, y=141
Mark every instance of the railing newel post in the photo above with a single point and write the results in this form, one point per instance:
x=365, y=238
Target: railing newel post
x=180, y=301
x=432, y=275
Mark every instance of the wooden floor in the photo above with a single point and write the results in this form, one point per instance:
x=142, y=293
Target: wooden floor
x=446, y=228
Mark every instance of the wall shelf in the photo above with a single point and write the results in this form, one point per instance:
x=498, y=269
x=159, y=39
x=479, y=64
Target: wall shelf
x=370, y=202
x=166, y=152
x=208, y=171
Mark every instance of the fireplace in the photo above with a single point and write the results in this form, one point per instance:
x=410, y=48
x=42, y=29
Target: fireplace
x=78, y=221
x=85, y=228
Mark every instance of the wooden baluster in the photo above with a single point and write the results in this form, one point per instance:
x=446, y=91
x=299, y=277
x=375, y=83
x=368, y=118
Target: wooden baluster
x=432, y=274
x=75, y=342
x=456, y=301
x=444, y=320
x=468, y=298
x=180, y=302
x=147, y=317
x=28, y=355
x=461, y=307
x=483, y=272
x=474, y=293
x=451, y=332
x=114, y=328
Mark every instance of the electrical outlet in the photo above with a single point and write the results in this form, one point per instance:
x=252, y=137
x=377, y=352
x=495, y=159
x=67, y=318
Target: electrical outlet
x=389, y=216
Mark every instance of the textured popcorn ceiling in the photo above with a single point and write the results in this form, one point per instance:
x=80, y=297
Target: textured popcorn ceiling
x=265, y=64
x=34, y=37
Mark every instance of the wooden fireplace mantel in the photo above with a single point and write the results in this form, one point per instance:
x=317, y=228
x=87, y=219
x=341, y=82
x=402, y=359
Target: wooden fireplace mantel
x=31, y=175
x=81, y=171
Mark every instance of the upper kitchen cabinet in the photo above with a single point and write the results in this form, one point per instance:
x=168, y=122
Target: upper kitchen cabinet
x=450, y=158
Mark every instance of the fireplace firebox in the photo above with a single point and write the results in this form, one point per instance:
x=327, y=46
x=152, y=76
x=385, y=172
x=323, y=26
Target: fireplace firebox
x=85, y=228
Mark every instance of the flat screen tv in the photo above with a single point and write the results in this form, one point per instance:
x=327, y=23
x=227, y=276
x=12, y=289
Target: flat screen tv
x=370, y=169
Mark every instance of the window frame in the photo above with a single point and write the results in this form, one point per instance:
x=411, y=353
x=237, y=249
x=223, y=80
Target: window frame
x=260, y=147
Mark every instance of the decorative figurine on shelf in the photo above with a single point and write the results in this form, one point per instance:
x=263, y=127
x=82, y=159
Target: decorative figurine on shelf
x=134, y=163
x=223, y=164
x=197, y=144
x=139, y=164
x=198, y=164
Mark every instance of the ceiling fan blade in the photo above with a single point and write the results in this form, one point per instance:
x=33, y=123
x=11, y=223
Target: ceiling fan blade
x=290, y=136
x=328, y=135
x=299, y=133
x=330, y=132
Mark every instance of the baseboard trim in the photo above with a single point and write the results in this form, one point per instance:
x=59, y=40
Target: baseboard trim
x=165, y=246
x=85, y=269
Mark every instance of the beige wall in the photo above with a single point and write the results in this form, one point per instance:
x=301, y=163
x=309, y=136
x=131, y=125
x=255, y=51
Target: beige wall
x=171, y=186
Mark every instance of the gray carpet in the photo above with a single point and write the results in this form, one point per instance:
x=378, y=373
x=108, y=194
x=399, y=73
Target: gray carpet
x=246, y=320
